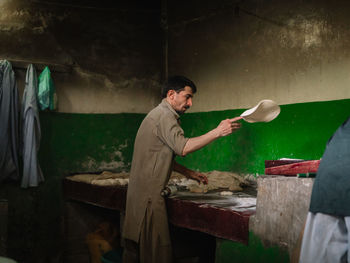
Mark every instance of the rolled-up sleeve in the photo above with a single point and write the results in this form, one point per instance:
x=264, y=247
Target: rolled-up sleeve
x=170, y=133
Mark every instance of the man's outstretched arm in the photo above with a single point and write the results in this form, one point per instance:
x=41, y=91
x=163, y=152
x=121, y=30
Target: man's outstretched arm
x=225, y=128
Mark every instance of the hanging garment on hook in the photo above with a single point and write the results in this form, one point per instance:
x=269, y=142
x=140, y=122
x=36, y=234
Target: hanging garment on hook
x=9, y=123
x=47, y=97
x=32, y=174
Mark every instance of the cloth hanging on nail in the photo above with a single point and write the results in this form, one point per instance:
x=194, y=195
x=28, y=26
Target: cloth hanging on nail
x=47, y=97
x=9, y=123
x=32, y=174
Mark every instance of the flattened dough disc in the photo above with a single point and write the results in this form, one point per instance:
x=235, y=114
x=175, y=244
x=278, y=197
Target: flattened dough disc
x=264, y=111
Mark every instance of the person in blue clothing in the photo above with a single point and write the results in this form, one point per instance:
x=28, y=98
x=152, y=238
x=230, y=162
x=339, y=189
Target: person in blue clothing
x=327, y=231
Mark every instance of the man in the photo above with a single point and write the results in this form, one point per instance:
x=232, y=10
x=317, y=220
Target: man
x=327, y=230
x=158, y=140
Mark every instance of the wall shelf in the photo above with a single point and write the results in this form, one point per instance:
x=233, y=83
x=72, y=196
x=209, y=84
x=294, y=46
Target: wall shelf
x=20, y=64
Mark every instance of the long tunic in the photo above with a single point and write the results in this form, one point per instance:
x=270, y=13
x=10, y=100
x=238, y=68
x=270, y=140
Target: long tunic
x=331, y=189
x=32, y=174
x=158, y=139
x=9, y=123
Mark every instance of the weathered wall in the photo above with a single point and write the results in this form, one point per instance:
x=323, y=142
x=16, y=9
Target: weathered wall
x=70, y=143
x=105, y=58
x=255, y=252
x=93, y=143
x=240, y=52
x=291, y=52
x=275, y=229
x=281, y=210
x=109, y=52
x=300, y=131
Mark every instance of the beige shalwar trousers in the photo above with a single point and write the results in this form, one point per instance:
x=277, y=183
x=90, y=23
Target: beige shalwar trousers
x=148, y=250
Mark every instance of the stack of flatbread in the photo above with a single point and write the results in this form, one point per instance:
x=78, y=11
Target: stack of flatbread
x=216, y=180
x=104, y=179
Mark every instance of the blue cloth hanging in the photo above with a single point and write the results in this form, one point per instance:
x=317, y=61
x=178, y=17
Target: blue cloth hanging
x=9, y=123
x=32, y=174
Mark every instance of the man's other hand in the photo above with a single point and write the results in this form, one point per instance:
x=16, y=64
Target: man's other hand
x=199, y=177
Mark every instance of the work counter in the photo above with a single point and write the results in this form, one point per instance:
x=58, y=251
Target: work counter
x=224, y=217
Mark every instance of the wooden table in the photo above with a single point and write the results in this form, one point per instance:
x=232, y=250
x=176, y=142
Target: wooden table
x=221, y=216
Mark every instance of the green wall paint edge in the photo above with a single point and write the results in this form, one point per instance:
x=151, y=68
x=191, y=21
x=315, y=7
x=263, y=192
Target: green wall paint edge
x=300, y=131
x=255, y=252
x=73, y=143
x=70, y=143
x=94, y=142
x=78, y=143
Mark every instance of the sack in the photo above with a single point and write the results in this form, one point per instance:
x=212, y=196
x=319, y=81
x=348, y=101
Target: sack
x=46, y=91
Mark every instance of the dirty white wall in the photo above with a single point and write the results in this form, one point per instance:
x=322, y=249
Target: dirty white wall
x=239, y=52
x=109, y=51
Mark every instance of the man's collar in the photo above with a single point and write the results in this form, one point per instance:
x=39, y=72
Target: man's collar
x=166, y=103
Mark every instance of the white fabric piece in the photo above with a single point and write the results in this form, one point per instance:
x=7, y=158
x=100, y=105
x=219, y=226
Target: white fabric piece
x=326, y=239
x=264, y=111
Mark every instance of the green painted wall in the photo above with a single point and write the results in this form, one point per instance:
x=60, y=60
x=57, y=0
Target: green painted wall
x=255, y=252
x=70, y=143
x=92, y=143
x=74, y=143
x=300, y=131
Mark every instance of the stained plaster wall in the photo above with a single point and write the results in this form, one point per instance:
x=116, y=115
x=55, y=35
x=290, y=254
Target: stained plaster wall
x=105, y=61
x=233, y=67
x=281, y=210
x=110, y=52
x=240, y=52
x=301, y=131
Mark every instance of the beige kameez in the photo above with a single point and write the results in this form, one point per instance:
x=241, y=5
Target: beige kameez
x=158, y=140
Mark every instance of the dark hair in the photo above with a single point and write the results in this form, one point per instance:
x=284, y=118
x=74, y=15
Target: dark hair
x=177, y=83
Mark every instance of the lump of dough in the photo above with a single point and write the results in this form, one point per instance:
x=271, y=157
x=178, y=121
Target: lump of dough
x=226, y=193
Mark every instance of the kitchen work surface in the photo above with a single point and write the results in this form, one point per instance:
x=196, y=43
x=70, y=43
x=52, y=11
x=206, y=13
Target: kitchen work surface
x=238, y=201
x=221, y=216
x=224, y=216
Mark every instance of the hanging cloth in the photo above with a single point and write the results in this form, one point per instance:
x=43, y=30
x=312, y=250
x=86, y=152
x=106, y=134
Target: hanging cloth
x=32, y=174
x=46, y=91
x=9, y=123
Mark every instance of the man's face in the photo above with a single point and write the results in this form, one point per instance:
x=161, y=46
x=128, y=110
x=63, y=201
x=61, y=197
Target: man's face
x=181, y=101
